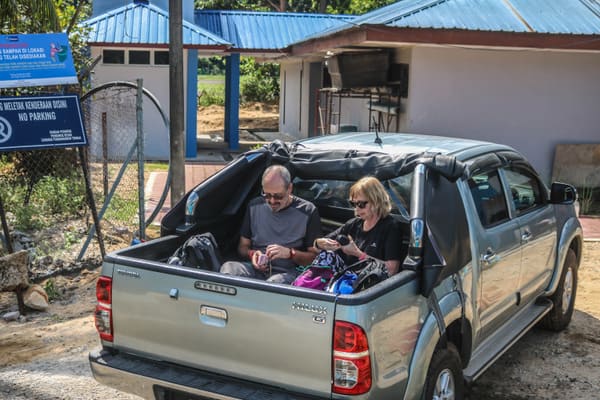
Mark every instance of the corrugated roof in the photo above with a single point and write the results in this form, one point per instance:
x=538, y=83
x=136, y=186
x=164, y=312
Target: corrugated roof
x=144, y=24
x=540, y=16
x=265, y=30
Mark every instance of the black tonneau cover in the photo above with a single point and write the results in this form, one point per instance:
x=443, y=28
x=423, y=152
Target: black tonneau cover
x=447, y=246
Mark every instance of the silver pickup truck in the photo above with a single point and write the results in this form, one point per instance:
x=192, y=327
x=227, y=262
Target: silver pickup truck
x=492, y=252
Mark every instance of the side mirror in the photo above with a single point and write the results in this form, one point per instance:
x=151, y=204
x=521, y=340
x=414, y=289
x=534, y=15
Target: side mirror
x=562, y=193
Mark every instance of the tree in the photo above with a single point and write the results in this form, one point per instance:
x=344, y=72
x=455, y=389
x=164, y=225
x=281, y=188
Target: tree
x=28, y=16
x=263, y=5
x=360, y=7
x=42, y=16
x=356, y=7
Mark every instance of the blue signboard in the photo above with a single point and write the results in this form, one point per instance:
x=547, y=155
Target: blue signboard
x=41, y=122
x=40, y=59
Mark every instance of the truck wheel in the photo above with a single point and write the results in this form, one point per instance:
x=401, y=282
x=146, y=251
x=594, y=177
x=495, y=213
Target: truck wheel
x=564, y=297
x=444, y=378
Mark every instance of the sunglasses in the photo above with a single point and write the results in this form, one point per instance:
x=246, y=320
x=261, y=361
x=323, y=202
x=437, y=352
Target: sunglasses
x=276, y=196
x=359, y=204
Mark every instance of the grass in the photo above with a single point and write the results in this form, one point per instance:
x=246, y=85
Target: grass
x=211, y=89
x=208, y=79
x=156, y=166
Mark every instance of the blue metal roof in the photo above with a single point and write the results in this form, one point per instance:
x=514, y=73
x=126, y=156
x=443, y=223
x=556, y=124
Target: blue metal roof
x=265, y=30
x=144, y=24
x=541, y=16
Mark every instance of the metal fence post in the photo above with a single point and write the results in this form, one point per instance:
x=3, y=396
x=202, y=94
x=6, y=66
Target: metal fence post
x=139, y=112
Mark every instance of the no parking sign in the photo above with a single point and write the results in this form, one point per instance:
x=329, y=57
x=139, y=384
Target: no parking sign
x=41, y=122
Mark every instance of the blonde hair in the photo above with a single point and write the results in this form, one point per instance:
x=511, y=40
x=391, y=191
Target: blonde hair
x=375, y=193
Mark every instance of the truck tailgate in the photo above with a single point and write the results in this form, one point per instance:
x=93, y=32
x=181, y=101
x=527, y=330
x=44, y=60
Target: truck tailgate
x=273, y=334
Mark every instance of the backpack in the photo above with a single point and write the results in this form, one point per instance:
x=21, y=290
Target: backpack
x=318, y=275
x=198, y=251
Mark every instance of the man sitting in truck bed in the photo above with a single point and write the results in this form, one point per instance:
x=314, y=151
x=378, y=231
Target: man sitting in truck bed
x=277, y=232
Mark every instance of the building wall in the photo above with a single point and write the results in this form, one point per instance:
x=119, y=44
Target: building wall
x=530, y=100
x=155, y=80
x=299, y=113
x=290, y=99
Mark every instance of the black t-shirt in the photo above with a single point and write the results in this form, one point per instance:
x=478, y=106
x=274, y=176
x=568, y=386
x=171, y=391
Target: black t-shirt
x=383, y=241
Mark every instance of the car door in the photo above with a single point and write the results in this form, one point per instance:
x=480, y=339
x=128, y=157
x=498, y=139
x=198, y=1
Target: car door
x=498, y=248
x=537, y=226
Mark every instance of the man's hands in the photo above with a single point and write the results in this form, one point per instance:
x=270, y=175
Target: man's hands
x=260, y=260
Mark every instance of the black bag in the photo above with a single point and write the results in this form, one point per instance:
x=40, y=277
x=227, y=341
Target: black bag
x=198, y=251
x=359, y=276
x=375, y=272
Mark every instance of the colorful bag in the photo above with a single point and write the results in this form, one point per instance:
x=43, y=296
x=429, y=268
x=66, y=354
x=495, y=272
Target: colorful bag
x=318, y=274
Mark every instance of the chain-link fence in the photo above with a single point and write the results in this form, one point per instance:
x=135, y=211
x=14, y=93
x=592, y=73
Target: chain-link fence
x=44, y=195
x=126, y=127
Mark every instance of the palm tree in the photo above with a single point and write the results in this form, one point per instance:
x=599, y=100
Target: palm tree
x=28, y=16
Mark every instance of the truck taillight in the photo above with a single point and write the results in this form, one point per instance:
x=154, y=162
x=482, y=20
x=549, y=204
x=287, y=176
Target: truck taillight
x=103, y=314
x=351, y=361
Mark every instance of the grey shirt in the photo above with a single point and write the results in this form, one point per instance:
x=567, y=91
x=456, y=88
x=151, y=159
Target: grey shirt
x=296, y=226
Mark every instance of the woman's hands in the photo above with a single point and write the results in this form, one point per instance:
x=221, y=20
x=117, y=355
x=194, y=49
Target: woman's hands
x=327, y=244
x=350, y=249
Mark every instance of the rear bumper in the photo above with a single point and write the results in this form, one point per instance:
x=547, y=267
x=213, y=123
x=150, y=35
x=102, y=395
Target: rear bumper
x=149, y=379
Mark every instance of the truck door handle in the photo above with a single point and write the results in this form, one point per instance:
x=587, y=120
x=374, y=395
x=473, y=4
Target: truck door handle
x=526, y=236
x=490, y=257
x=213, y=316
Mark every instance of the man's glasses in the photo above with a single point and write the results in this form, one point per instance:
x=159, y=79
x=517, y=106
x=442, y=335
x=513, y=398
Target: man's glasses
x=359, y=204
x=276, y=196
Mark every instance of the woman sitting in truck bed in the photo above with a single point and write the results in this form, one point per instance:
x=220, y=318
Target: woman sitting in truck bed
x=372, y=232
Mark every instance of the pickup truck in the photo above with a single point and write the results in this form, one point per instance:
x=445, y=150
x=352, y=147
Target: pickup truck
x=491, y=253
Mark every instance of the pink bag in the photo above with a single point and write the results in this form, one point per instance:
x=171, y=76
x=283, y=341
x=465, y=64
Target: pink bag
x=319, y=273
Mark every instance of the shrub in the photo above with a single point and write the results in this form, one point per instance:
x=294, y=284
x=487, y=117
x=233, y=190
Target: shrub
x=259, y=82
x=210, y=96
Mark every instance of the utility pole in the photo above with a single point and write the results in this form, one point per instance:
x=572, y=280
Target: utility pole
x=176, y=109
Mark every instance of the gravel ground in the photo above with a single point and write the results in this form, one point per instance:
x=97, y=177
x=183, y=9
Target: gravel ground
x=66, y=377
x=44, y=355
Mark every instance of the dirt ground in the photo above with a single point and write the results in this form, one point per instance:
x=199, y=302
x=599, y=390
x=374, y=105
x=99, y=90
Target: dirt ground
x=543, y=365
x=253, y=117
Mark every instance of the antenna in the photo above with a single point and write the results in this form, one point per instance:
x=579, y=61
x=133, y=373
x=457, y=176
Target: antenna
x=377, y=138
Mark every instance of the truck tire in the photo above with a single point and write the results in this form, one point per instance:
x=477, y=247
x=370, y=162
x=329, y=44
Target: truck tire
x=564, y=297
x=444, y=376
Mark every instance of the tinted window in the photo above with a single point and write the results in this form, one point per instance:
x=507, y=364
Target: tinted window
x=332, y=193
x=113, y=57
x=161, y=58
x=489, y=198
x=526, y=190
x=139, y=57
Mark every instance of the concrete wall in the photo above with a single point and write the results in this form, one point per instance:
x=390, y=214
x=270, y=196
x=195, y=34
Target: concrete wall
x=156, y=80
x=531, y=100
x=290, y=99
